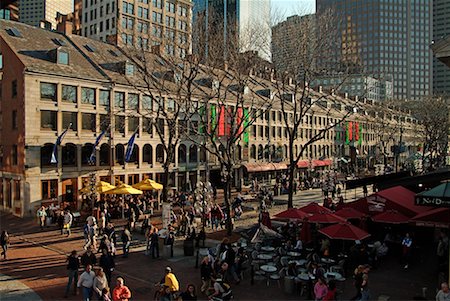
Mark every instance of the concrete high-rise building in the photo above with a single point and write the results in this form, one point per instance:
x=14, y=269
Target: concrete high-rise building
x=9, y=10
x=71, y=23
x=32, y=12
x=387, y=37
x=441, y=29
x=234, y=25
x=142, y=23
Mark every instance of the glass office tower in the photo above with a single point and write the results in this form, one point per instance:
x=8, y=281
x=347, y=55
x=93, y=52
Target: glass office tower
x=390, y=37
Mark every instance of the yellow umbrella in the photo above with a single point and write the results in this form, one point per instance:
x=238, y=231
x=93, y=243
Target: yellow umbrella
x=124, y=189
x=100, y=187
x=148, y=184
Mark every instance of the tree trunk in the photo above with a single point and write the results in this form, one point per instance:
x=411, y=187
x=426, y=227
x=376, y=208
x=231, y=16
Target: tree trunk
x=226, y=195
x=291, y=176
x=165, y=183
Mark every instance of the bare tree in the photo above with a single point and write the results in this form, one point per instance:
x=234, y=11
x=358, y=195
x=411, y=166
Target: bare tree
x=313, y=40
x=432, y=114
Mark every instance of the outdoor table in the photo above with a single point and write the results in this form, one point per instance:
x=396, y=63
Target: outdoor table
x=299, y=262
x=267, y=249
x=305, y=277
x=302, y=270
x=309, y=250
x=268, y=268
x=264, y=256
x=327, y=260
x=333, y=275
x=294, y=254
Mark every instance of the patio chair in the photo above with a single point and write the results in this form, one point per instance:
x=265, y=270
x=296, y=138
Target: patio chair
x=275, y=277
x=339, y=268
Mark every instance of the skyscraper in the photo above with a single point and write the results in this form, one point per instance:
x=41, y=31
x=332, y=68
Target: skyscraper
x=142, y=23
x=9, y=10
x=32, y=12
x=389, y=37
x=441, y=29
x=238, y=24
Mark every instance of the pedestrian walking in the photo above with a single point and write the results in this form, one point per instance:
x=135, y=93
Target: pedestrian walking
x=107, y=263
x=126, y=241
x=41, y=215
x=444, y=293
x=154, y=244
x=121, y=292
x=100, y=283
x=88, y=258
x=86, y=282
x=73, y=264
x=4, y=241
x=406, y=249
x=68, y=218
x=60, y=221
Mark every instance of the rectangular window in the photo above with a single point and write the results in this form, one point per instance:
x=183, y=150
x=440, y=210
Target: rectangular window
x=157, y=3
x=119, y=100
x=88, y=96
x=14, y=120
x=147, y=103
x=69, y=93
x=48, y=120
x=170, y=105
x=120, y=124
x=107, y=24
x=88, y=122
x=157, y=17
x=104, y=98
x=101, y=26
x=14, y=88
x=107, y=8
x=63, y=57
x=157, y=31
x=133, y=124
x=170, y=7
x=182, y=11
x=48, y=91
x=147, y=126
x=49, y=188
x=133, y=101
x=68, y=118
x=170, y=21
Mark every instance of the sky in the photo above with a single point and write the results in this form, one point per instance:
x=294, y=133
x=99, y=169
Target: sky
x=293, y=7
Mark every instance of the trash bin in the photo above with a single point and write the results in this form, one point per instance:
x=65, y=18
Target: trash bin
x=188, y=246
x=289, y=284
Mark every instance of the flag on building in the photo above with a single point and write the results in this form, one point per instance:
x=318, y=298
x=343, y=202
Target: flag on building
x=60, y=138
x=97, y=141
x=130, y=146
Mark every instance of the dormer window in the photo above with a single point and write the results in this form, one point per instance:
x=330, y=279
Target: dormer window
x=62, y=57
x=129, y=69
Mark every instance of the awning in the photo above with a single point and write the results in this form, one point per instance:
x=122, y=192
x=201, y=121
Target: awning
x=439, y=217
x=324, y=162
x=303, y=164
x=400, y=199
x=261, y=167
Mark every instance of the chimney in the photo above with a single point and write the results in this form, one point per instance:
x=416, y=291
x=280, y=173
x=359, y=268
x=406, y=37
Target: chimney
x=64, y=25
x=356, y=98
x=332, y=92
x=346, y=95
x=225, y=66
x=320, y=90
x=272, y=75
x=156, y=49
x=45, y=25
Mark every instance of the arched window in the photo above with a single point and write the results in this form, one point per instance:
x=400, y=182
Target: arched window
x=105, y=154
x=260, y=152
x=253, y=151
x=147, y=154
x=193, y=154
x=46, y=154
x=266, y=152
x=69, y=155
x=238, y=153
x=120, y=154
x=182, y=153
x=134, y=158
x=202, y=155
x=273, y=152
x=160, y=153
x=86, y=151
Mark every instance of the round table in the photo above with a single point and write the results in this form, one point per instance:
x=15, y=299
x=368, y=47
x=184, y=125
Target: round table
x=305, y=277
x=268, y=268
x=294, y=254
x=264, y=256
x=298, y=262
x=333, y=275
x=327, y=260
x=267, y=249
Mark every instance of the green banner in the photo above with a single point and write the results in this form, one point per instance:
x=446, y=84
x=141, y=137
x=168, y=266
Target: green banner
x=213, y=121
x=246, y=127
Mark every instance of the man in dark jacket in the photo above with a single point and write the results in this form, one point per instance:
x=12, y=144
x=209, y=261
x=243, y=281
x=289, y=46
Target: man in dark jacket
x=88, y=258
x=107, y=263
x=73, y=264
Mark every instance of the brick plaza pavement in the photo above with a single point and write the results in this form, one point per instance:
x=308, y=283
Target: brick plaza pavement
x=37, y=263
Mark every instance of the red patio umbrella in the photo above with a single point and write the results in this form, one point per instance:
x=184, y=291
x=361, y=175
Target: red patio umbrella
x=391, y=217
x=325, y=217
x=292, y=213
x=313, y=208
x=349, y=213
x=344, y=231
x=438, y=217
